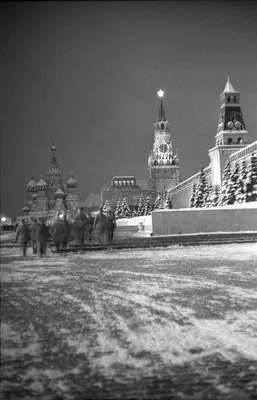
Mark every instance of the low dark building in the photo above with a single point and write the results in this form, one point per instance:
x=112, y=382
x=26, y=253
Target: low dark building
x=125, y=186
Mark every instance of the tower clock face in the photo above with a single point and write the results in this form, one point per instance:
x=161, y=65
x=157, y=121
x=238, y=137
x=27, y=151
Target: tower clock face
x=163, y=148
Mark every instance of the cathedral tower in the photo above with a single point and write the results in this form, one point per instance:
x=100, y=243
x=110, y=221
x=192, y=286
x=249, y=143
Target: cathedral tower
x=163, y=166
x=231, y=133
x=54, y=179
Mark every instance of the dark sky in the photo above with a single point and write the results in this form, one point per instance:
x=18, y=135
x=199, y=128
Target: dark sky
x=86, y=75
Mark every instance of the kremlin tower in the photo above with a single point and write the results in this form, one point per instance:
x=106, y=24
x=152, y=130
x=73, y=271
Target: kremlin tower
x=163, y=165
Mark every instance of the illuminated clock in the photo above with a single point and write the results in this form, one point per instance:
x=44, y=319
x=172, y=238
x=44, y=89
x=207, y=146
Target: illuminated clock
x=163, y=147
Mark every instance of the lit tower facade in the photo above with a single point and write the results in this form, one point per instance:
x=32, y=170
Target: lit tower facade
x=163, y=166
x=231, y=132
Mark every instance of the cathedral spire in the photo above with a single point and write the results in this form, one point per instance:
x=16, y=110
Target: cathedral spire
x=161, y=109
x=54, y=163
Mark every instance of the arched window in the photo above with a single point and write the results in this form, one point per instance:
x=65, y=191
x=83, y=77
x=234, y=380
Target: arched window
x=124, y=183
x=128, y=183
x=230, y=140
x=239, y=140
x=120, y=183
x=132, y=183
x=162, y=126
x=115, y=183
x=234, y=99
x=228, y=99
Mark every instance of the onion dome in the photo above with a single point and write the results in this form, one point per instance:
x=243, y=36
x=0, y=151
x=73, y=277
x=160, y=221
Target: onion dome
x=59, y=194
x=34, y=196
x=31, y=186
x=41, y=185
x=26, y=209
x=71, y=182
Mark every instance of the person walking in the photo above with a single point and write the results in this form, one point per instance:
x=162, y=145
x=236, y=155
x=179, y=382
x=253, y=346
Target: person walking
x=42, y=236
x=101, y=223
x=66, y=232
x=23, y=236
x=79, y=227
x=57, y=232
x=33, y=229
x=112, y=224
x=89, y=226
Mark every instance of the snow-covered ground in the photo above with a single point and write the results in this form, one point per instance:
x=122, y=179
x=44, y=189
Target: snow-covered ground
x=163, y=323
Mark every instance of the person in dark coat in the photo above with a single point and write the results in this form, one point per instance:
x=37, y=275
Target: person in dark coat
x=101, y=223
x=89, y=226
x=57, y=231
x=79, y=227
x=33, y=229
x=42, y=236
x=112, y=224
x=23, y=236
x=66, y=232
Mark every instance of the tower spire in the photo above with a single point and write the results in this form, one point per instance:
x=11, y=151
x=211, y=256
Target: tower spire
x=162, y=116
x=54, y=163
x=229, y=87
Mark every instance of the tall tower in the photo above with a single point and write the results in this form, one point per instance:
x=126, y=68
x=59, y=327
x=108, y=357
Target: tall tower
x=231, y=133
x=163, y=166
x=54, y=179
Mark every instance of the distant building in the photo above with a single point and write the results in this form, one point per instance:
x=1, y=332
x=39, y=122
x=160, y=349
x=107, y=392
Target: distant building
x=46, y=198
x=125, y=186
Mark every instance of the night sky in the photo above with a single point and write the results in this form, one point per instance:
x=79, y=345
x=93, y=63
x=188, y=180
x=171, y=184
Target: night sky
x=85, y=74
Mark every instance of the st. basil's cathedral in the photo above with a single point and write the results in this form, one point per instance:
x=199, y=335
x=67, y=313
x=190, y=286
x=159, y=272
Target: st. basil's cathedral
x=46, y=199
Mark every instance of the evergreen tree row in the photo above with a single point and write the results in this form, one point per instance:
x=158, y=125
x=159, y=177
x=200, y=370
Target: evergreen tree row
x=144, y=207
x=239, y=185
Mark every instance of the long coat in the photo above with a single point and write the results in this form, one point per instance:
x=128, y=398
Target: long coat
x=79, y=227
x=42, y=233
x=89, y=224
x=33, y=230
x=23, y=233
x=58, y=230
x=101, y=222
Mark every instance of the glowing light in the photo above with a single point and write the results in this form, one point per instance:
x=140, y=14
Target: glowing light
x=160, y=93
x=3, y=219
x=61, y=215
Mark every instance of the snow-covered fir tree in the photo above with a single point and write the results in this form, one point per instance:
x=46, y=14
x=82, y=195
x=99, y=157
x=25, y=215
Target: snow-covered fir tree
x=201, y=187
x=240, y=192
x=158, y=204
x=126, y=213
x=207, y=195
x=232, y=185
x=168, y=202
x=192, y=197
x=250, y=186
x=118, y=209
x=215, y=195
x=106, y=206
x=225, y=179
x=141, y=206
x=148, y=206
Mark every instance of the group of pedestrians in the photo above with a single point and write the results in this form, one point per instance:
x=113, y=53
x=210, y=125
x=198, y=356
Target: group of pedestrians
x=38, y=233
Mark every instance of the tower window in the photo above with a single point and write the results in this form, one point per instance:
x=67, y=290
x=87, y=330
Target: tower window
x=162, y=126
x=239, y=140
x=234, y=99
x=228, y=99
x=229, y=140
